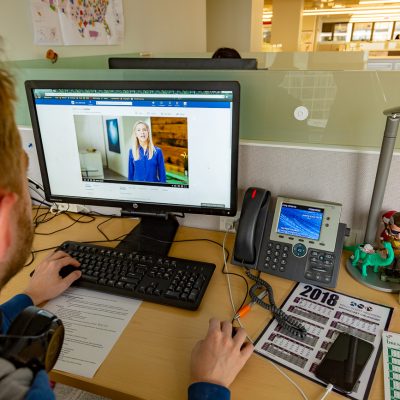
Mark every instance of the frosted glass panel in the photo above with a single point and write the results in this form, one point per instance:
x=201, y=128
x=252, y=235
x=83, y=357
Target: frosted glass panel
x=344, y=107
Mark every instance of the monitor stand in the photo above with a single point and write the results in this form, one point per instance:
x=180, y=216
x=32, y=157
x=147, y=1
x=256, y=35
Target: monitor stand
x=153, y=235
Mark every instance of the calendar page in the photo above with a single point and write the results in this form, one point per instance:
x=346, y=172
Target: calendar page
x=391, y=365
x=325, y=313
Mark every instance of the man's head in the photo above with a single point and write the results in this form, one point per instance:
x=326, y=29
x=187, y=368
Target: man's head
x=15, y=207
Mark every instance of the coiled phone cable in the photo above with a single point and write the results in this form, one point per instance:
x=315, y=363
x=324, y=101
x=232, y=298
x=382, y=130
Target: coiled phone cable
x=290, y=324
x=240, y=323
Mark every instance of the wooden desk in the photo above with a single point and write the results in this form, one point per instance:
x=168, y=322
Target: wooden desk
x=151, y=359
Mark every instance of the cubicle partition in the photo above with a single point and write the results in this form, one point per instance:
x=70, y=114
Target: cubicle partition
x=313, y=134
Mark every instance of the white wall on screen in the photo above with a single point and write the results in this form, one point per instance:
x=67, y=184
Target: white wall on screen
x=90, y=134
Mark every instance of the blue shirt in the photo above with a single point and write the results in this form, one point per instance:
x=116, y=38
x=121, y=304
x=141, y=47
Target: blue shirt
x=145, y=169
x=208, y=391
x=41, y=390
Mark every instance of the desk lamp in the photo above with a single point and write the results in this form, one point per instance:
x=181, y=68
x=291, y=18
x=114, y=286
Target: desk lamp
x=382, y=173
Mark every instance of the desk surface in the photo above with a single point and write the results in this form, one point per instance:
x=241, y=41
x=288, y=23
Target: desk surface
x=151, y=359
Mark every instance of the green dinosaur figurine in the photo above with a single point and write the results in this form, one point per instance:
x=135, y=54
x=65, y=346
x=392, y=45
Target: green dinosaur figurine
x=370, y=257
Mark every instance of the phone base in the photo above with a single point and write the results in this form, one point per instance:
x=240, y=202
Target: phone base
x=372, y=280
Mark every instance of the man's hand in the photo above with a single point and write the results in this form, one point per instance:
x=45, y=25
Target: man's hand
x=219, y=357
x=46, y=283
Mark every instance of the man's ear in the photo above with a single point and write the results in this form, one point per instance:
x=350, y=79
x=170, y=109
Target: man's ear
x=7, y=201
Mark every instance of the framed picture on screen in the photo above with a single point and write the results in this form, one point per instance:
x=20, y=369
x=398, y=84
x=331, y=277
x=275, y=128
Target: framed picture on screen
x=113, y=135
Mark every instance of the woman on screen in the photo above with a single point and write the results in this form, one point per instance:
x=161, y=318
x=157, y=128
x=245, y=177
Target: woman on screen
x=146, y=161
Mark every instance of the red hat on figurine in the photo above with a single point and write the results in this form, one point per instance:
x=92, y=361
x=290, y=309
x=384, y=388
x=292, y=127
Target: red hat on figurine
x=387, y=216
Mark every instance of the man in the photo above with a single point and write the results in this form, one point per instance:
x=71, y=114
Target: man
x=216, y=360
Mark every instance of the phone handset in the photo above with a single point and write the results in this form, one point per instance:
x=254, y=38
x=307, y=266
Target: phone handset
x=249, y=237
x=251, y=225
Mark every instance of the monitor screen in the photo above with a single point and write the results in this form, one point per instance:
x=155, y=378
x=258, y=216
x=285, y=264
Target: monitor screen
x=150, y=147
x=300, y=221
x=181, y=63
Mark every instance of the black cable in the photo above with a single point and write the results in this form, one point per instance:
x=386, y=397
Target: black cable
x=31, y=260
x=121, y=237
x=38, y=193
x=37, y=184
x=287, y=322
x=81, y=216
x=63, y=229
x=101, y=223
x=42, y=218
x=41, y=202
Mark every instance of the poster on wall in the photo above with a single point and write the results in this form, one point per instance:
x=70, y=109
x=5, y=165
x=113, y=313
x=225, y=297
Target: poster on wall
x=113, y=135
x=76, y=22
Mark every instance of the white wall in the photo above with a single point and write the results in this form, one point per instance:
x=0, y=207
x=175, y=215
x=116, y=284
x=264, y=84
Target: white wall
x=233, y=23
x=286, y=23
x=150, y=26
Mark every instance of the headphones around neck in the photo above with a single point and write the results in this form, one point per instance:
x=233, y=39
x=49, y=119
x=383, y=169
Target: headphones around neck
x=34, y=339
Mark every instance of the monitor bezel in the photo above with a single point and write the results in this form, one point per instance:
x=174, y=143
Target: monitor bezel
x=138, y=207
x=182, y=63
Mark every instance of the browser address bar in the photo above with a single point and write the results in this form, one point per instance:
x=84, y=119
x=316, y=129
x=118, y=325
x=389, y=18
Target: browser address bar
x=113, y=103
x=155, y=96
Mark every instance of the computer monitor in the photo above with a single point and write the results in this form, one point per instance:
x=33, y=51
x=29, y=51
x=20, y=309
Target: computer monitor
x=182, y=63
x=153, y=149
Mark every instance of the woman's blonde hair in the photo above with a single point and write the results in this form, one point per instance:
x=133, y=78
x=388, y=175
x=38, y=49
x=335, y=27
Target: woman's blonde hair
x=135, y=142
x=10, y=141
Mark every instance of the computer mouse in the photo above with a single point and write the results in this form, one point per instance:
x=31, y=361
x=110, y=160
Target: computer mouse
x=65, y=271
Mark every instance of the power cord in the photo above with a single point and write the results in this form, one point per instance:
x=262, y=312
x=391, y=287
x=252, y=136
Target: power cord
x=327, y=391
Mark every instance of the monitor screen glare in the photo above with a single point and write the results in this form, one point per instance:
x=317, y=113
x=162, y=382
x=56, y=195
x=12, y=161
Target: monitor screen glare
x=136, y=145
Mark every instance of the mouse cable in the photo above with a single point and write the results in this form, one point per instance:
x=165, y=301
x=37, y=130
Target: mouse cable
x=238, y=320
x=229, y=281
x=328, y=389
x=293, y=326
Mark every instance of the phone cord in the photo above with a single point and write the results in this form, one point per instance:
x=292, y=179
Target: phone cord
x=290, y=324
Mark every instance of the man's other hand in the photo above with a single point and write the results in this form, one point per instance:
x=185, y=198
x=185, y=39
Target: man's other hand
x=219, y=357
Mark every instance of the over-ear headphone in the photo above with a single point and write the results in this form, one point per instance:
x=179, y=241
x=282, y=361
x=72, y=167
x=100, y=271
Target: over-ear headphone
x=33, y=340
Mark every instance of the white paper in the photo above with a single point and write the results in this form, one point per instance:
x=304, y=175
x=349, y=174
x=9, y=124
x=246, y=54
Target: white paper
x=47, y=30
x=93, y=322
x=324, y=313
x=74, y=22
x=391, y=365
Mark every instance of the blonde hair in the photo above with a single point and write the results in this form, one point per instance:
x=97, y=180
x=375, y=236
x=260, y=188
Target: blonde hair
x=10, y=141
x=135, y=142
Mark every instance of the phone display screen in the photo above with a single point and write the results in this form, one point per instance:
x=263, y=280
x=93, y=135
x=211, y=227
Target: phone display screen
x=344, y=362
x=300, y=221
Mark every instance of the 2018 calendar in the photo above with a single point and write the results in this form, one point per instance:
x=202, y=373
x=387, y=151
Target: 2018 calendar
x=324, y=313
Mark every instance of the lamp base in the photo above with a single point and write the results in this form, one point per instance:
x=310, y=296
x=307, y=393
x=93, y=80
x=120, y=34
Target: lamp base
x=372, y=280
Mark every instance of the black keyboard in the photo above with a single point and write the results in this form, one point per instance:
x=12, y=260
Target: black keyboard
x=165, y=280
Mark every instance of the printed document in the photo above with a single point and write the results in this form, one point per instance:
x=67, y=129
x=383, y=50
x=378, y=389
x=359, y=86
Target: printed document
x=93, y=322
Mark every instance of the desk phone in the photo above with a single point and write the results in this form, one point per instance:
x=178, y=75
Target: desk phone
x=296, y=239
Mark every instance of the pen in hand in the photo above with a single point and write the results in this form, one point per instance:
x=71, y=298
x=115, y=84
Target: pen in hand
x=245, y=309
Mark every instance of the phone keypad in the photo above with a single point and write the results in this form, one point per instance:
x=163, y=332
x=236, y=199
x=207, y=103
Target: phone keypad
x=318, y=268
x=276, y=256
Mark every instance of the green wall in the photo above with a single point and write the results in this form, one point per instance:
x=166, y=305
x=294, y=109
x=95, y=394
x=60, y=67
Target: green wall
x=345, y=107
